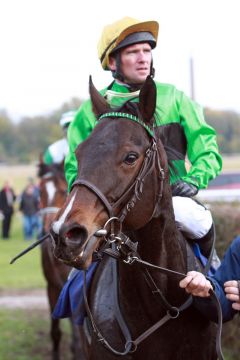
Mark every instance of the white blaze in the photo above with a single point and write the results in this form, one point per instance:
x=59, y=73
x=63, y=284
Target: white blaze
x=51, y=190
x=57, y=224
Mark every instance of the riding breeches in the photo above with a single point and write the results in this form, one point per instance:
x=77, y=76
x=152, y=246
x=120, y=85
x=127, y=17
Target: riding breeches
x=191, y=217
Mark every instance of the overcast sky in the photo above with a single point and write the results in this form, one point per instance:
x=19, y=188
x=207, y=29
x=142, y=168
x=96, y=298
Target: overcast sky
x=48, y=49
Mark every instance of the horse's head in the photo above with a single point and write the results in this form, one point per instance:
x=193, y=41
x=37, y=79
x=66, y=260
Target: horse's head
x=53, y=191
x=120, y=174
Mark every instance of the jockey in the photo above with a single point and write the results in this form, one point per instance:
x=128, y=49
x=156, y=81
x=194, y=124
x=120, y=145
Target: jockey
x=57, y=151
x=226, y=289
x=125, y=49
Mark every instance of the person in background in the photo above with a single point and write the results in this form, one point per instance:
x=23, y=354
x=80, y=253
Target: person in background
x=57, y=151
x=35, y=186
x=29, y=206
x=225, y=282
x=7, y=198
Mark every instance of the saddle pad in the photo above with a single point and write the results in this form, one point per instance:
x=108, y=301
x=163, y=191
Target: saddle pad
x=71, y=302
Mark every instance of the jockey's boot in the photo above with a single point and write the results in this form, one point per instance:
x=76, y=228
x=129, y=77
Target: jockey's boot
x=205, y=243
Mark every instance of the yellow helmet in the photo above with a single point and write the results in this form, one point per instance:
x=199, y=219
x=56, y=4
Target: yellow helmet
x=120, y=34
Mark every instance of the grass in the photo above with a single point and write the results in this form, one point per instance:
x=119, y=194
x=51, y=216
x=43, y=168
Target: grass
x=19, y=335
x=25, y=273
x=25, y=335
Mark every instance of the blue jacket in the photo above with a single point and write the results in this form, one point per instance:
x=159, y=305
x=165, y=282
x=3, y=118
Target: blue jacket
x=228, y=270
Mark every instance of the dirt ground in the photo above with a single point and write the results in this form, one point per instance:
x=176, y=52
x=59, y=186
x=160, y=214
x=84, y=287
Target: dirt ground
x=24, y=299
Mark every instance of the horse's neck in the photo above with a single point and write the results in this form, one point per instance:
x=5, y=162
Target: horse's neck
x=162, y=246
x=159, y=244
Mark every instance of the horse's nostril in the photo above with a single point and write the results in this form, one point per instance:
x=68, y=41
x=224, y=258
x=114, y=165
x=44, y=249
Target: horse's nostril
x=54, y=237
x=75, y=236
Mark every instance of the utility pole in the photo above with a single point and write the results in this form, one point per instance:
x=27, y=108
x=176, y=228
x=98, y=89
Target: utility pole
x=192, y=79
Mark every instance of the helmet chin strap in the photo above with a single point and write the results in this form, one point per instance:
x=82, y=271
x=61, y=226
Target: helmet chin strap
x=118, y=75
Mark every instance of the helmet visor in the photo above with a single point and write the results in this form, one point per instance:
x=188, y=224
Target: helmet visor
x=136, y=38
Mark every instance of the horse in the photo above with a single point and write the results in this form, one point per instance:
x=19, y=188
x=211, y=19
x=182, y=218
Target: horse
x=122, y=196
x=53, y=192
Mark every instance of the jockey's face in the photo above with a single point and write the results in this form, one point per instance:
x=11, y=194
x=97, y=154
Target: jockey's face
x=135, y=63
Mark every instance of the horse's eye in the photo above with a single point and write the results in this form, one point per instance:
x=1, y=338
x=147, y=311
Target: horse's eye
x=131, y=158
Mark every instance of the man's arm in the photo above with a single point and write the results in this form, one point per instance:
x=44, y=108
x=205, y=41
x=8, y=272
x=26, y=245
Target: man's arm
x=199, y=286
x=225, y=283
x=78, y=131
x=47, y=157
x=195, y=283
x=202, y=148
x=232, y=290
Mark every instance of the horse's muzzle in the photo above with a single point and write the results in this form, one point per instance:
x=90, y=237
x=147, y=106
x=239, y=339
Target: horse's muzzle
x=69, y=241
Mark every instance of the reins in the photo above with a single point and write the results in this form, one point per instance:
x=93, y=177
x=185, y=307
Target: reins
x=125, y=250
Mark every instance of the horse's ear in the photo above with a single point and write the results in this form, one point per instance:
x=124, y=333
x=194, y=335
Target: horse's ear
x=99, y=104
x=40, y=166
x=147, y=100
x=62, y=164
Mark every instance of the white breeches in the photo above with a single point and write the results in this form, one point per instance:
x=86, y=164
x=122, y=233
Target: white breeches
x=191, y=217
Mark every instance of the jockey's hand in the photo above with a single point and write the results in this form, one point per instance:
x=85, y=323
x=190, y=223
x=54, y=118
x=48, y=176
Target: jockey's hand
x=232, y=289
x=182, y=188
x=196, y=284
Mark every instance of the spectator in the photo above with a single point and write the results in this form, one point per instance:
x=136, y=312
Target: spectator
x=225, y=282
x=7, y=198
x=29, y=205
x=36, y=187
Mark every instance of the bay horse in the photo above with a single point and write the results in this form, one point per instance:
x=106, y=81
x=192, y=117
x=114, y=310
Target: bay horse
x=53, y=192
x=122, y=195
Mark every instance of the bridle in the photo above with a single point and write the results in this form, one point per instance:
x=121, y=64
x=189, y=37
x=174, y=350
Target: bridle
x=148, y=165
x=136, y=188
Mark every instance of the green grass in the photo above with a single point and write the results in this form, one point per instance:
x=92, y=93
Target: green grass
x=25, y=335
x=25, y=273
